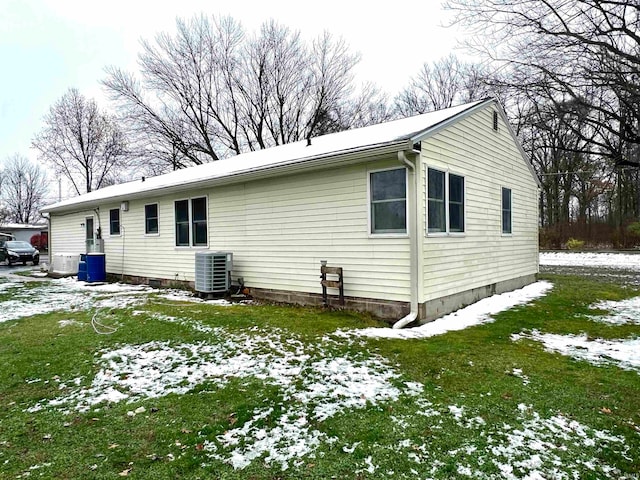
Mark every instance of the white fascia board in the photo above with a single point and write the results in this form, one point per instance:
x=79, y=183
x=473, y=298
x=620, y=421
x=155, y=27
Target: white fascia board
x=462, y=115
x=450, y=121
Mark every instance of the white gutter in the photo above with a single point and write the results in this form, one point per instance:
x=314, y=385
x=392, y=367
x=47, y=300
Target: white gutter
x=413, y=240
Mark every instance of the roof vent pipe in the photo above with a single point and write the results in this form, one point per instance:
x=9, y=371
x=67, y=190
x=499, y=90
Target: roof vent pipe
x=413, y=242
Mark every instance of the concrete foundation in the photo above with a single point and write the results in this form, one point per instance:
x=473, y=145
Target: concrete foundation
x=433, y=309
x=388, y=310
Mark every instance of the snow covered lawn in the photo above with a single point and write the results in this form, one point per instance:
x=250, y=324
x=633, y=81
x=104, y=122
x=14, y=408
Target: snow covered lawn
x=625, y=261
x=118, y=380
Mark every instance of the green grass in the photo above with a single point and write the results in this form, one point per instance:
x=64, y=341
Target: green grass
x=413, y=436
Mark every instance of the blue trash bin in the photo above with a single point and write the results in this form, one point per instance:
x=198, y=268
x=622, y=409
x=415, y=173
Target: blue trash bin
x=96, y=267
x=82, y=268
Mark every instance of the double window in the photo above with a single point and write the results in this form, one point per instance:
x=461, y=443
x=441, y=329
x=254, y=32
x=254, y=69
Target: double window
x=506, y=211
x=388, y=201
x=191, y=222
x=114, y=221
x=445, y=202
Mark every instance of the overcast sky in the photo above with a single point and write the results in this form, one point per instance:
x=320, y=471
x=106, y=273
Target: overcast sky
x=48, y=46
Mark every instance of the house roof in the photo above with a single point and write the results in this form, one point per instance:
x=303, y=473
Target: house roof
x=380, y=138
x=23, y=226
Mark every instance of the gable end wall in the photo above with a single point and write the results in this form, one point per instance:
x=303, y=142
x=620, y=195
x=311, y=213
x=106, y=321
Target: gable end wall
x=482, y=256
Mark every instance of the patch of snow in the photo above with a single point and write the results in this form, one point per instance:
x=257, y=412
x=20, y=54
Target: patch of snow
x=623, y=261
x=624, y=353
x=456, y=411
x=533, y=449
x=517, y=372
x=475, y=314
x=621, y=312
x=178, y=296
x=187, y=322
x=314, y=387
x=67, y=294
x=67, y=323
x=9, y=285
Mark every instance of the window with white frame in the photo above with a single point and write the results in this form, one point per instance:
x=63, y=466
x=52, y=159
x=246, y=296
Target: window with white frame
x=388, y=201
x=191, y=222
x=151, y=219
x=456, y=203
x=445, y=202
x=506, y=211
x=199, y=221
x=114, y=221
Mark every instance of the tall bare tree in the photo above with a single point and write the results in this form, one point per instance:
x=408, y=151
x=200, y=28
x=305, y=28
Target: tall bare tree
x=210, y=91
x=584, y=50
x=442, y=84
x=24, y=188
x=81, y=142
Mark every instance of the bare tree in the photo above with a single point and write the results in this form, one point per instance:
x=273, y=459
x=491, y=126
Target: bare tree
x=210, y=91
x=81, y=142
x=24, y=188
x=442, y=84
x=585, y=50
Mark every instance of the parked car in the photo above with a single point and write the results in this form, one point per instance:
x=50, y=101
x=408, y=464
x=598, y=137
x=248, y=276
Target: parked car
x=13, y=251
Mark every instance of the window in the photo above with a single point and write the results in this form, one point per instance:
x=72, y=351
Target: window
x=151, y=219
x=191, y=222
x=388, y=197
x=506, y=211
x=199, y=221
x=114, y=221
x=182, y=222
x=436, y=210
x=445, y=202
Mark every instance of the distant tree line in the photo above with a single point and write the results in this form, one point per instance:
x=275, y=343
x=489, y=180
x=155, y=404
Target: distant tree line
x=566, y=71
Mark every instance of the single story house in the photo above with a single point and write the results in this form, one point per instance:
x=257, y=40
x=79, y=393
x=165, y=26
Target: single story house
x=424, y=214
x=24, y=231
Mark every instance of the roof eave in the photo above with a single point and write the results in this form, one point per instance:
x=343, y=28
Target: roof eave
x=433, y=129
x=470, y=111
x=344, y=157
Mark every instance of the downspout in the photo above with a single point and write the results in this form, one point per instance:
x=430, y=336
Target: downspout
x=413, y=240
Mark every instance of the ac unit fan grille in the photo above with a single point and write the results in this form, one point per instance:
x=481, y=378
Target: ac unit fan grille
x=213, y=272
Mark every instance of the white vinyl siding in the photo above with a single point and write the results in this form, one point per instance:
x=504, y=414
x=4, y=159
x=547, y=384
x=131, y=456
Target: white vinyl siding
x=67, y=233
x=279, y=229
x=483, y=256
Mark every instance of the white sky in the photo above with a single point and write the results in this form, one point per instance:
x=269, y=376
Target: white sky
x=48, y=46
